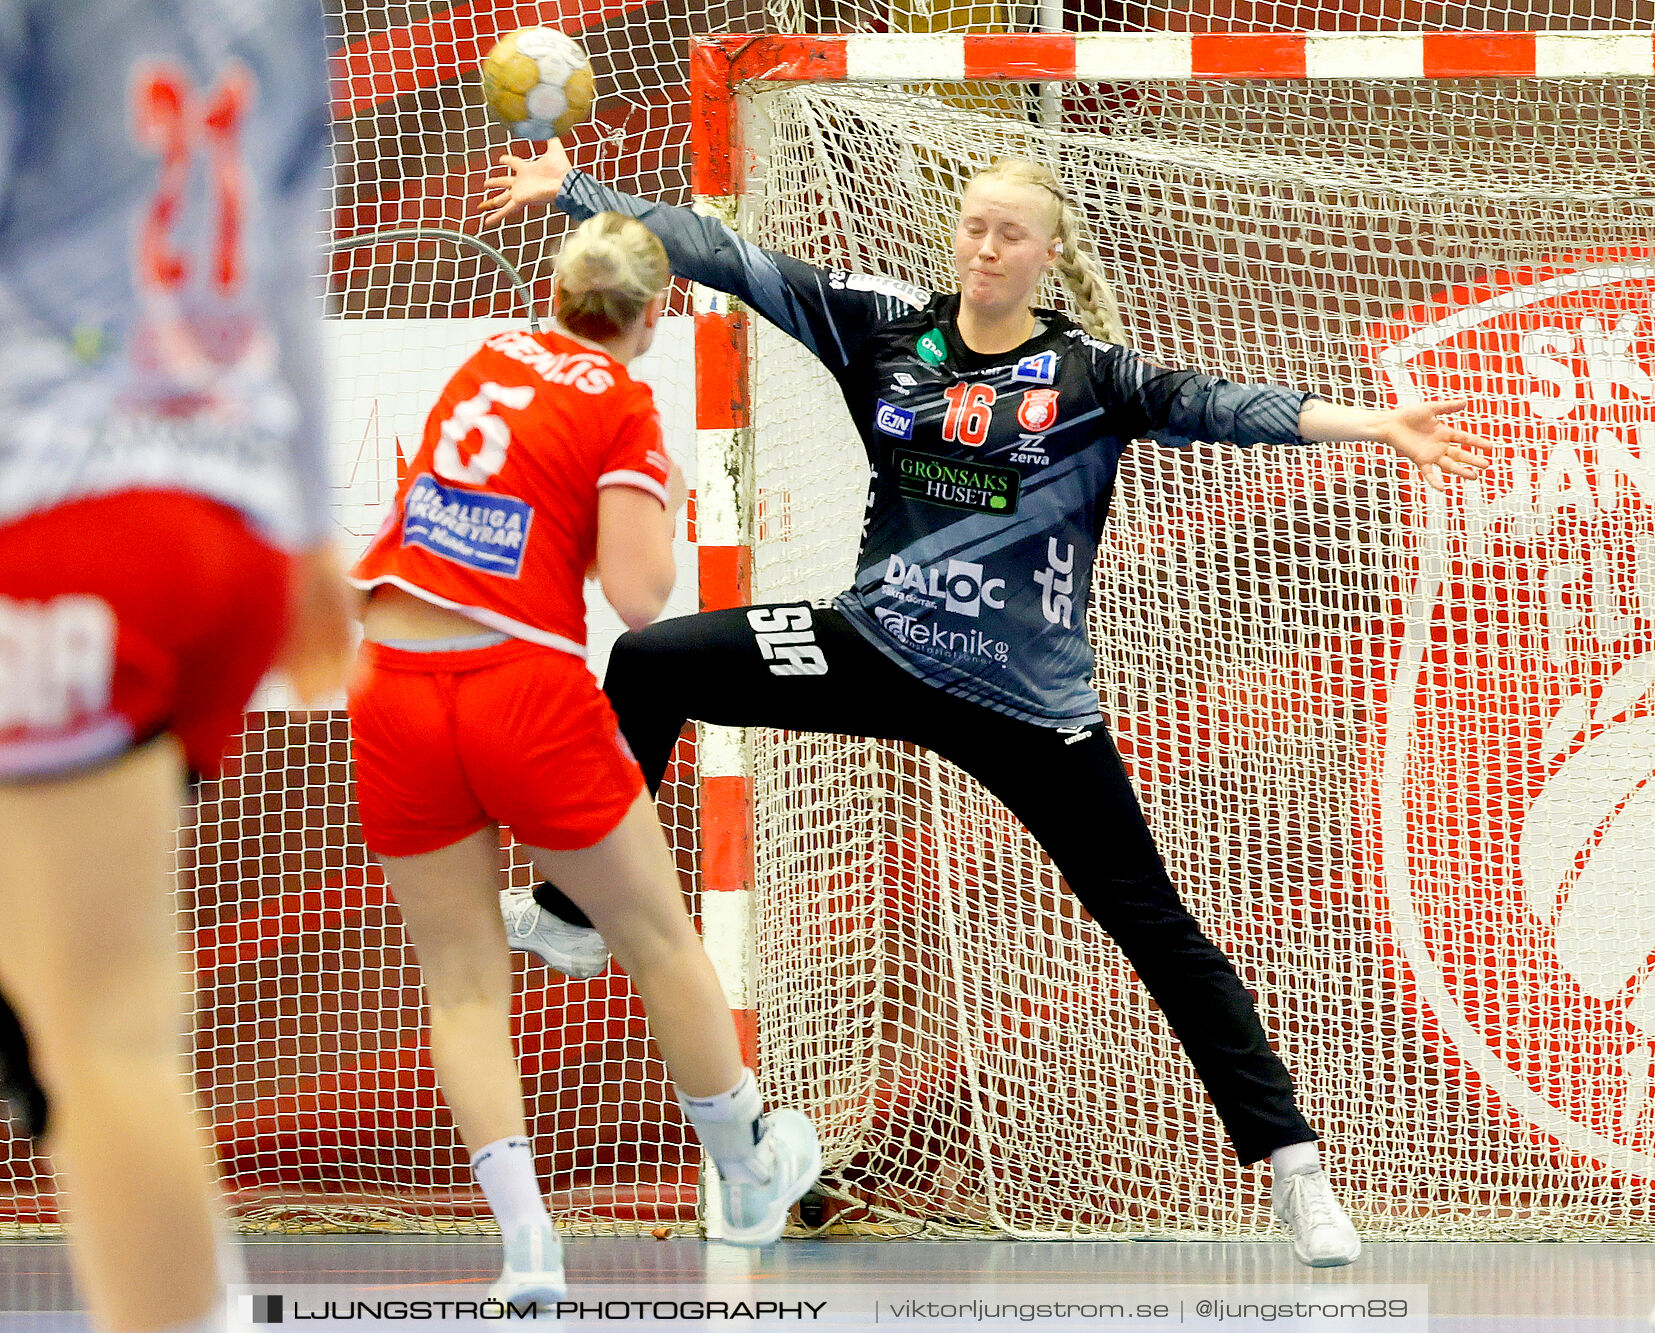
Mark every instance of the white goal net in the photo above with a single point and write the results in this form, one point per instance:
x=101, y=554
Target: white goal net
x=1399, y=754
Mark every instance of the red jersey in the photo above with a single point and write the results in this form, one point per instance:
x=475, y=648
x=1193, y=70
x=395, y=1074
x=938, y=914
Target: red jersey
x=498, y=515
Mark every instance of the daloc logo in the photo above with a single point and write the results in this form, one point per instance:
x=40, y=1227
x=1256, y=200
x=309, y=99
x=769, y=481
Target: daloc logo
x=894, y=421
x=1516, y=804
x=1039, y=369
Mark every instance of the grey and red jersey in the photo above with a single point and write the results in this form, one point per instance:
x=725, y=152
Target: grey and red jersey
x=162, y=168
x=991, y=476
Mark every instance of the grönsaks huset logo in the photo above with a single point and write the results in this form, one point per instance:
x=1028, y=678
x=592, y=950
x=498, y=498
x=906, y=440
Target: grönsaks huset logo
x=484, y=532
x=894, y=421
x=1524, y=907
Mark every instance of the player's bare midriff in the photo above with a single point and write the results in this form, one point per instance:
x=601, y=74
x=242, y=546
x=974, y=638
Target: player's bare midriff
x=393, y=614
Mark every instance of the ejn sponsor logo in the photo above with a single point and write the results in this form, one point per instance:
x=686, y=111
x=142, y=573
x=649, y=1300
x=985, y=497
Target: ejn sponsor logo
x=892, y=420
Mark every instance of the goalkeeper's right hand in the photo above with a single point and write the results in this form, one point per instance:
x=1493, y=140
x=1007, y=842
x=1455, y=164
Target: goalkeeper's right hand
x=525, y=181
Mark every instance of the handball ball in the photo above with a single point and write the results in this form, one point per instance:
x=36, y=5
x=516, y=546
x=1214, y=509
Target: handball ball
x=538, y=83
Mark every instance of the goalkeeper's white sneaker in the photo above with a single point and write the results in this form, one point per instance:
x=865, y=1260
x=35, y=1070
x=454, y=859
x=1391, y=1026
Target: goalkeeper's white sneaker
x=790, y=1158
x=575, y=951
x=533, y=1269
x=1322, y=1235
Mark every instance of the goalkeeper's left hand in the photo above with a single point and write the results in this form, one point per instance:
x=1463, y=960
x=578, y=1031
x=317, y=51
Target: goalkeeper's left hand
x=1437, y=449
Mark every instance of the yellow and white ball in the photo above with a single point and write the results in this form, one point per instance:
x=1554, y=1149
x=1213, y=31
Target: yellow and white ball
x=538, y=83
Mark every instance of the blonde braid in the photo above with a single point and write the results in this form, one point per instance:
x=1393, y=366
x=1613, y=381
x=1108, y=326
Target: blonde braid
x=1094, y=298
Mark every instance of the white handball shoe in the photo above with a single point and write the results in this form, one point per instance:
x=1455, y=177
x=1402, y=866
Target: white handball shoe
x=1322, y=1235
x=533, y=1269
x=756, y=1211
x=575, y=951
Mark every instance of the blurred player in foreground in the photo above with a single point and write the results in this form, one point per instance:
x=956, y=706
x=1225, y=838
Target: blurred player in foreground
x=543, y=460
x=994, y=430
x=163, y=526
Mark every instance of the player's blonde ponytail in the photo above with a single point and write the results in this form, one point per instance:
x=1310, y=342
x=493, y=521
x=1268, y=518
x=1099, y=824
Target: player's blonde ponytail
x=608, y=270
x=1094, y=298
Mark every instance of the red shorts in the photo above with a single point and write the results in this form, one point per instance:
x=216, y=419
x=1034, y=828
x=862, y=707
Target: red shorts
x=126, y=616
x=516, y=734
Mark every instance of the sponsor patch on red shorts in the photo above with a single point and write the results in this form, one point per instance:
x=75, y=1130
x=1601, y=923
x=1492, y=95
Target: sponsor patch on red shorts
x=128, y=616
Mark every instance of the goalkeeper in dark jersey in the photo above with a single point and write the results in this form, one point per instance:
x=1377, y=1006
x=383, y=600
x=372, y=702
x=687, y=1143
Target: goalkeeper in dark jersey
x=993, y=431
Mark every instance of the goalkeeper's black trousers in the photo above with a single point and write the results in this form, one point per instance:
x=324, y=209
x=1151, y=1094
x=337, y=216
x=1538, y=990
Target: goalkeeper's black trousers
x=1067, y=787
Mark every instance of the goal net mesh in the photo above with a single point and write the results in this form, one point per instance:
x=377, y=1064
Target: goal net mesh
x=1429, y=864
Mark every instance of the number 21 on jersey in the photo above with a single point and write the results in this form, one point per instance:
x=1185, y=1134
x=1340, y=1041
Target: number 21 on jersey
x=171, y=120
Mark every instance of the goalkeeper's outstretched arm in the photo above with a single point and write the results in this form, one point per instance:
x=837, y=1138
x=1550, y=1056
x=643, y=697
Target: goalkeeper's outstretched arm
x=830, y=312
x=1416, y=431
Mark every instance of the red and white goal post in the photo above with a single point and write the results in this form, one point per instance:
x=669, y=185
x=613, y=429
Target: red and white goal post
x=1399, y=751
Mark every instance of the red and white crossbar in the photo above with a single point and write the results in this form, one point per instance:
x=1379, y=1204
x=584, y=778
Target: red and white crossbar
x=718, y=65
x=1166, y=55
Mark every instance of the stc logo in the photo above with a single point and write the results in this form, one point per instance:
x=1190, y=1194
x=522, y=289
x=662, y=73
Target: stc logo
x=1057, y=584
x=961, y=588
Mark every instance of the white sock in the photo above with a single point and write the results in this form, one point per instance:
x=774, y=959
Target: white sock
x=1295, y=1159
x=505, y=1170
x=730, y=1130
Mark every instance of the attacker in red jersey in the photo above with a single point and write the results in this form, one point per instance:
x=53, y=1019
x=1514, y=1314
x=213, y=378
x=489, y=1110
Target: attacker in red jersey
x=543, y=460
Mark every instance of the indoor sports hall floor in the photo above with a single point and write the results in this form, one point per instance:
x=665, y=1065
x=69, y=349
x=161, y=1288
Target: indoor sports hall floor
x=1472, y=1288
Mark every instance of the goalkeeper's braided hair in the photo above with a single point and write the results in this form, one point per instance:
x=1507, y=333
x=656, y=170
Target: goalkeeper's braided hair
x=1094, y=298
